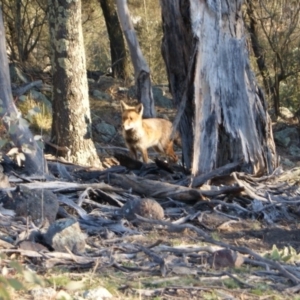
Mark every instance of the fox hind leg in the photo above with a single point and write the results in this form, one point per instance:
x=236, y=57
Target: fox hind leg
x=167, y=150
x=170, y=152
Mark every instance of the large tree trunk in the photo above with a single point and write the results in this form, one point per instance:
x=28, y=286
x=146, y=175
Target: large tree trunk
x=229, y=112
x=141, y=69
x=119, y=61
x=71, y=128
x=19, y=133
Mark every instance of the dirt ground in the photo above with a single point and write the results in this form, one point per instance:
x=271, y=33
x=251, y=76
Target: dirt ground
x=256, y=234
x=253, y=231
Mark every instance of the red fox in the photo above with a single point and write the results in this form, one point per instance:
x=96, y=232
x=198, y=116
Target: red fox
x=141, y=134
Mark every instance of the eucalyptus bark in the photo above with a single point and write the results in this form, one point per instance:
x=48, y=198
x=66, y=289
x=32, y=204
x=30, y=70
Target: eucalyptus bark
x=141, y=68
x=20, y=134
x=119, y=62
x=72, y=126
x=230, y=121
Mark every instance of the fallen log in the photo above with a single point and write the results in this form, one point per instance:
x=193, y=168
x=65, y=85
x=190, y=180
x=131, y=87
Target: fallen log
x=224, y=170
x=158, y=189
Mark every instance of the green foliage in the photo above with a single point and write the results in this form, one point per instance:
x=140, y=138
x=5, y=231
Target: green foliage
x=287, y=254
x=59, y=281
x=37, y=114
x=10, y=283
x=278, y=36
x=260, y=289
x=13, y=283
x=231, y=283
x=210, y=296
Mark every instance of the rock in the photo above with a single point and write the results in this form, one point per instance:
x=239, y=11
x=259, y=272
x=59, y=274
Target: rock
x=62, y=295
x=146, y=207
x=97, y=294
x=294, y=150
x=41, y=293
x=161, y=98
x=286, y=136
x=286, y=162
x=32, y=246
x=285, y=114
x=34, y=203
x=40, y=97
x=65, y=233
x=225, y=258
x=94, y=74
x=106, y=130
x=101, y=95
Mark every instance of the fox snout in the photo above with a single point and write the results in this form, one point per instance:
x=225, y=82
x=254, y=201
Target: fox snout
x=127, y=126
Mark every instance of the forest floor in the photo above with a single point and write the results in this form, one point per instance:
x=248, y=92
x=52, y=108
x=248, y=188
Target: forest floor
x=178, y=259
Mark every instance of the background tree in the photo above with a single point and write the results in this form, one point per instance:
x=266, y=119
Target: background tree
x=230, y=122
x=25, y=20
x=274, y=28
x=180, y=66
x=15, y=125
x=71, y=125
x=119, y=63
x=141, y=68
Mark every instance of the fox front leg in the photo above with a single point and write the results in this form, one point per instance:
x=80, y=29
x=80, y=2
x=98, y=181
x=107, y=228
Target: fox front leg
x=144, y=155
x=133, y=153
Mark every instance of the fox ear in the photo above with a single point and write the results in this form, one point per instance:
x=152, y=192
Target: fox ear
x=124, y=106
x=139, y=109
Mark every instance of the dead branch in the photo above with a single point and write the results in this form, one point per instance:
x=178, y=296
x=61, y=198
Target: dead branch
x=224, y=170
x=19, y=91
x=156, y=189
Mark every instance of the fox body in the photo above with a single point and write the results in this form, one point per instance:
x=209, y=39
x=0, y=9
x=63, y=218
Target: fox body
x=141, y=134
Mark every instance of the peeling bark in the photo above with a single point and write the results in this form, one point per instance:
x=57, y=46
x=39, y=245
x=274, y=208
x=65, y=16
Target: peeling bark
x=227, y=108
x=71, y=125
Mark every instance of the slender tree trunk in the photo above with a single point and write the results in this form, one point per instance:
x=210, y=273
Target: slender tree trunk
x=271, y=88
x=120, y=68
x=19, y=133
x=230, y=122
x=141, y=69
x=71, y=128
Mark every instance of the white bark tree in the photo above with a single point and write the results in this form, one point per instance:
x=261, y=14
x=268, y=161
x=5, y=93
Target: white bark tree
x=224, y=109
x=20, y=134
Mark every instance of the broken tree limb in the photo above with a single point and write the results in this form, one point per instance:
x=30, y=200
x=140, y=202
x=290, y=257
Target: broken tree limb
x=157, y=189
x=19, y=91
x=224, y=170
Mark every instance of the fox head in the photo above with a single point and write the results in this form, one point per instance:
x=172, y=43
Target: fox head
x=131, y=116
